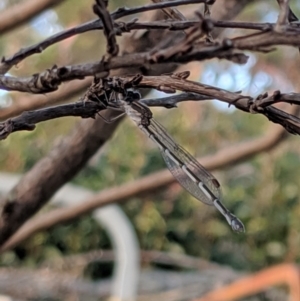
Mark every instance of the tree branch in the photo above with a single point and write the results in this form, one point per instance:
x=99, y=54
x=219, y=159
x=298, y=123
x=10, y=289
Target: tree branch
x=35, y=284
x=6, y=64
x=101, y=11
x=33, y=102
x=50, y=79
x=168, y=83
x=181, y=25
x=245, y=103
x=283, y=274
x=79, y=261
x=27, y=120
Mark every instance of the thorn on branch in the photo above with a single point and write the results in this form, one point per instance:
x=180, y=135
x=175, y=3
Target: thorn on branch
x=5, y=129
x=181, y=75
x=207, y=25
x=125, y=27
x=276, y=95
x=47, y=81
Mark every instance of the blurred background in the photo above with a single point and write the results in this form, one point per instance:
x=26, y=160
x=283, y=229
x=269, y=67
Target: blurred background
x=263, y=191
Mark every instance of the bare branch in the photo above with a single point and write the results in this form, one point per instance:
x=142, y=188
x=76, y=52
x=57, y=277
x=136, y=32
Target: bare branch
x=181, y=25
x=50, y=79
x=59, y=285
x=6, y=64
x=100, y=9
x=27, y=120
x=43, y=282
x=171, y=101
x=26, y=103
x=79, y=261
x=227, y=10
x=245, y=103
x=167, y=83
x=286, y=274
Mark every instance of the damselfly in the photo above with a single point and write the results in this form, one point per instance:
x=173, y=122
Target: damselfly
x=183, y=166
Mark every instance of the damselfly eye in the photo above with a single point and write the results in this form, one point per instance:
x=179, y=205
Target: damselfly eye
x=133, y=95
x=137, y=95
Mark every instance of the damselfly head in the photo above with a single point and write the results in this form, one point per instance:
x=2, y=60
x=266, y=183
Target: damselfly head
x=132, y=95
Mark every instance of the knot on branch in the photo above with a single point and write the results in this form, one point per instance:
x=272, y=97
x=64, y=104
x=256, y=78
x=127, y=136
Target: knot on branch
x=264, y=100
x=181, y=75
x=124, y=83
x=12, y=125
x=5, y=129
x=100, y=9
x=255, y=104
x=47, y=81
x=124, y=26
x=207, y=25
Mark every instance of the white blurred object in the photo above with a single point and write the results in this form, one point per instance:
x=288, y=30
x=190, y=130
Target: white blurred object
x=118, y=227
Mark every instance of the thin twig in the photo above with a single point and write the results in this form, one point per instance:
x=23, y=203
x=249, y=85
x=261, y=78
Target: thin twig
x=50, y=79
x=100, y=9
x=79, y=261
x=169, y=83
x=7, y=63
x=23, y=103
x=172, y=101
x=242, y=102
x=28, y=120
